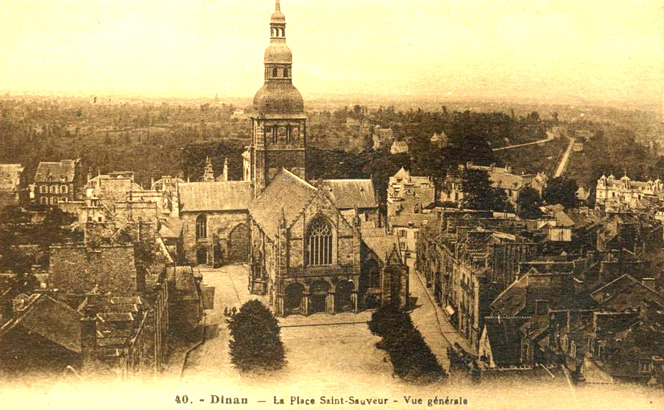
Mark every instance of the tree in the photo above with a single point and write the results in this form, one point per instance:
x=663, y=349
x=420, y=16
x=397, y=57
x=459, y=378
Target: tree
x=255, y=338
x=561, y=190
x=411, y=357
x=528, y=204
x=478, y=192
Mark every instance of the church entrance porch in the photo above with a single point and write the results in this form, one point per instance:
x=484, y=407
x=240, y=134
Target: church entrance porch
x=345, y=297
x=320, y=296
x=293, y=299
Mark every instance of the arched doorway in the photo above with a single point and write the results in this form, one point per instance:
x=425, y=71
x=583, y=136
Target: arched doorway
x=201, y=255
x=238, y=244
x=319, y=293
x=218, y=258
x=342, y=298
x=293, y=298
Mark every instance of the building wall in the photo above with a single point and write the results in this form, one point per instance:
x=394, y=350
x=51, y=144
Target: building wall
x=268, y=155
x=219, y=226
x=280, y=262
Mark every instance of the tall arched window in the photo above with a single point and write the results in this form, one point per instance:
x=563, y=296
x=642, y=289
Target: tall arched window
x=201, y=227
x=275, y=72
x=319, y=243
x=286, y=72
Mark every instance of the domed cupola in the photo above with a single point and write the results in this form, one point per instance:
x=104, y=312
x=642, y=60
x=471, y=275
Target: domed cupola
x=278, y=95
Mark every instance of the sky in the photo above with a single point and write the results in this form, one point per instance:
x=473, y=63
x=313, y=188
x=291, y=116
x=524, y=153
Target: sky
x=547, y=50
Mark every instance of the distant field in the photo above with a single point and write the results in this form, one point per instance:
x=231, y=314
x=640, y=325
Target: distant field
x=534, y=158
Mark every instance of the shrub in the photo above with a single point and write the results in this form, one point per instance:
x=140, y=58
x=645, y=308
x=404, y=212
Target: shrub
x=255, y=338
x=411, y=357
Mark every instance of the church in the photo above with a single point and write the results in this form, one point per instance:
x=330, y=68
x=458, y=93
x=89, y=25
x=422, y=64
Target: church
x=312, y=246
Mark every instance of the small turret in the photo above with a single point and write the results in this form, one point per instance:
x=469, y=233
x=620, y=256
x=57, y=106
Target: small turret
x=208, y=174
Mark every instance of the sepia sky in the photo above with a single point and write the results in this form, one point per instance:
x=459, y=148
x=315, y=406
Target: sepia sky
x=557, y=50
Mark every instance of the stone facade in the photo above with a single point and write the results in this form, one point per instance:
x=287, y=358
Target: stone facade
x=468, y=267
x=213, y=248
x=57, y=182
x=623, y=194
x=294, y=285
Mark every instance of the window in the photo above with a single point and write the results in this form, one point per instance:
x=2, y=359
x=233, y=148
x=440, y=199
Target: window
x=374, y=277
x=54, y=200
x=275, y=133
x=285, y=72
x=43, y=189
x=201, y=227
x=645, y=367
x=319, y=243
x=275, y=72
x=572, y=349
x=403, y=233
x=43, y=200
x=63, y=189
x=53, y=189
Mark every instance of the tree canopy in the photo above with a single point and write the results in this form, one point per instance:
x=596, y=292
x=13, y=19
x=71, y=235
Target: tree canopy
x=255, y=338
x=478, y=192
x=528, y=203
x=561, y=190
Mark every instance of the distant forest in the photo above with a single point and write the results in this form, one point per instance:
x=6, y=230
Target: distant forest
x=166, y=139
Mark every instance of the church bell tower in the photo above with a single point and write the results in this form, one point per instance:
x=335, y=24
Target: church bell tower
x=279, y=123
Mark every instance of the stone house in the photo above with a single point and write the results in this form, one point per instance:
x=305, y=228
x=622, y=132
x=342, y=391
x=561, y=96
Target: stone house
x=57, y=182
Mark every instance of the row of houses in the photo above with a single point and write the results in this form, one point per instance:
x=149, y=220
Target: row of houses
x=114, y=304
x=522, y=298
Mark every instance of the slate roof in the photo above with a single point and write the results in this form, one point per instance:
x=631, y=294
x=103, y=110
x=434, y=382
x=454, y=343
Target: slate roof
x=519, y=298
x=182, y=283
x=625, y=293
x=382, y=246
x=215, y=196
x=63, y=171
x=286, y=193
x=505, y=340
x=51, y=319
x=10, y=176
x=349, y=193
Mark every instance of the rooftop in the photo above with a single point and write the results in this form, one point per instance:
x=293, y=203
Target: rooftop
x=215, y=196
